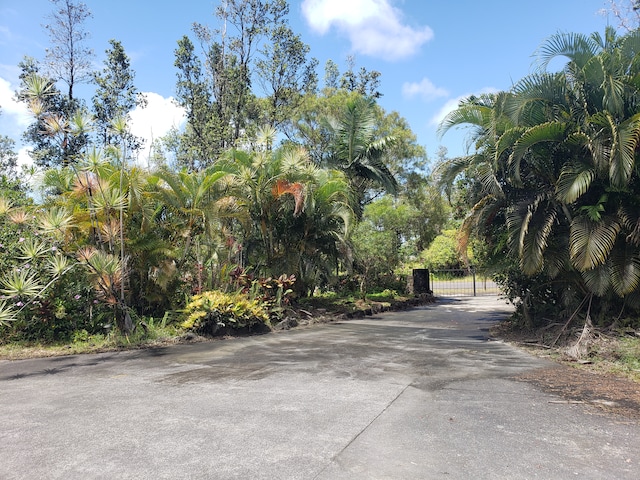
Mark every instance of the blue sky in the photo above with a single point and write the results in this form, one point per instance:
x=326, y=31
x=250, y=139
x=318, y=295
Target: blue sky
x=430, y=53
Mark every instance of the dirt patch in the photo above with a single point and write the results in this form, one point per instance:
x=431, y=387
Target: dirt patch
x=603, y=392
x=590, y=382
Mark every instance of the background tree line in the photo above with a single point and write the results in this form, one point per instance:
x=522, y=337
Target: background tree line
x=280, y=182
x=274, y=176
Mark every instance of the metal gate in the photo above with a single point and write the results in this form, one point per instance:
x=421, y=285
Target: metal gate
x=461, y=283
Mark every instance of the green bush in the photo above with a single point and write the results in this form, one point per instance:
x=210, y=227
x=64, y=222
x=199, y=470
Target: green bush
x=443, y=252
x=213, y=311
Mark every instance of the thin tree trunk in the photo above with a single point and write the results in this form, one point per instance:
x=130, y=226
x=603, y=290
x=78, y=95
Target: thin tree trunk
x=128, y=323
x=580, y=349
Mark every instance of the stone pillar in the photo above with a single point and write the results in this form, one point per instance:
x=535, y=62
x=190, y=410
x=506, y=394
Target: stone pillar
x=421, y=281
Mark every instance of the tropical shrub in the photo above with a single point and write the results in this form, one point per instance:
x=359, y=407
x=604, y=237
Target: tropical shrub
x=443, y=253
x=555, y=169
x=274, y=293
x=214, y=311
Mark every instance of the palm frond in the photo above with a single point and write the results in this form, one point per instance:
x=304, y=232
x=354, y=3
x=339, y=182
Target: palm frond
x=539, y=98
x=32, y=249
x=534, y=235
x=574, y=181
x=597, y=280
x=623, y=161
x=20, y=283
x=56, y=221
x=5, y=205
x=446, y=172
x=625, y=269
x=58, y=265
x=545, y=132
x=591, y=242
x=577, y=47
x=469, y=113
x=7, y=314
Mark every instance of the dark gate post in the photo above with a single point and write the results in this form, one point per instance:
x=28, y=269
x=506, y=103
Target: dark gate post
x=474, y=281
x=421, y=281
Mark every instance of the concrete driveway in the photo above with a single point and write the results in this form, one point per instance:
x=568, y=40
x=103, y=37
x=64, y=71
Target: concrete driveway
x=413, y=395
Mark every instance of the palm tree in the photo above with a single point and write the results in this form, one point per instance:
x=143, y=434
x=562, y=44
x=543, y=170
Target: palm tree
x=355, y=150
x=567, y=161
x=585, y=119
x=259, y=180
x=297, y=214
x=192, y=205
x=486, y=117
x=314, y=241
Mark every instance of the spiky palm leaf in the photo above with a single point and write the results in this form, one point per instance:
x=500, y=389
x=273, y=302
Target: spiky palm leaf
x=20, y=283
x=106, y=272
x=32, y=249
x=56, y=221
x=7, y=314
x=58, y=179
x=55, y=125
x=80, y=123
x=109, y=199
x=19, y=216
x=5, y=205
x=110, y=231
x=58, y=265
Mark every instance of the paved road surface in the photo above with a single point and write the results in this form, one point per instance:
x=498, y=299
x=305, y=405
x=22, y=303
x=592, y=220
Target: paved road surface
x=412, y=395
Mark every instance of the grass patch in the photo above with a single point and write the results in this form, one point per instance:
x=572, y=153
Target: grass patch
x=83, y=342
x=617, y=355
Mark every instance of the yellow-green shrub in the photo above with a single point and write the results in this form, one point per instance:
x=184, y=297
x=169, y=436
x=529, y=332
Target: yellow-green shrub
x=214, y=310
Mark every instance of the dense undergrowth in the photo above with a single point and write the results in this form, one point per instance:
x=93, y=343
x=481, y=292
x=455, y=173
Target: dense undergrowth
x=605, y=351
x=214, y=316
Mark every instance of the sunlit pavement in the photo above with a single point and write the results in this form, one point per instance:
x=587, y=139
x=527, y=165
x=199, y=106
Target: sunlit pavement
x=414, y=395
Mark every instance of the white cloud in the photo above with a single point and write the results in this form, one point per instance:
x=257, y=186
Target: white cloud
x=425, y=89
x=17, y=111
x=374, y=27
x=448, y=107
x=156, y=119
x=24, y=159
x=451, y=104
